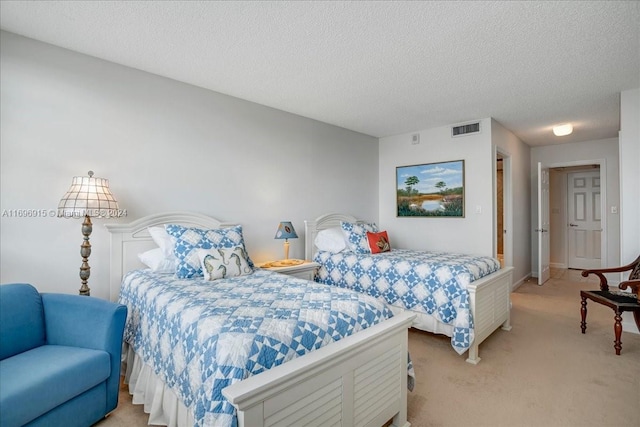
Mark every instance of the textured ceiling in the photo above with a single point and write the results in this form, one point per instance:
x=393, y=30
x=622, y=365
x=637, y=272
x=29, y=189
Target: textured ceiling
x=380, y=68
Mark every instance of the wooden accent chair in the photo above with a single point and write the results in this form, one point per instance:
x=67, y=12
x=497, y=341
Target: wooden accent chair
x=617, y=300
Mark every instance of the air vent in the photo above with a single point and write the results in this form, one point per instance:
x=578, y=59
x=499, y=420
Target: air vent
x=465, y=129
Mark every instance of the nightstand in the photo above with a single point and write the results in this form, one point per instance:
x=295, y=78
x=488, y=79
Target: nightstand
x=306, y=270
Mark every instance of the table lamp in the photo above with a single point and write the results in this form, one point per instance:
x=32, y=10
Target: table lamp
x=286, y=232
x=88, y=197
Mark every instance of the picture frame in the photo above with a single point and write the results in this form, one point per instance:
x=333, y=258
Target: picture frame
x=430, y=190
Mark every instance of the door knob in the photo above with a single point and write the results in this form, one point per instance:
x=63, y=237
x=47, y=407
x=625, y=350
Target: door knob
x=572, y=225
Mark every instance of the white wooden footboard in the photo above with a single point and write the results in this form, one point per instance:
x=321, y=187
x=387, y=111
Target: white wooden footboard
x=490, y=301
x=491, y=307
x=359, y=381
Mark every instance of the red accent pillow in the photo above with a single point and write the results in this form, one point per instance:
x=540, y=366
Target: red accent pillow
x=378, y=242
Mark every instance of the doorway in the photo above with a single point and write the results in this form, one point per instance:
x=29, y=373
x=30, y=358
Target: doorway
x=503, y=244
x=577, y=228
x=584, y=232
x=500, y=209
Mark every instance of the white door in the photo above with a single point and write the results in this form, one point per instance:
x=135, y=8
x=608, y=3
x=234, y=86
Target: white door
x=544, y=251
x=584, y=214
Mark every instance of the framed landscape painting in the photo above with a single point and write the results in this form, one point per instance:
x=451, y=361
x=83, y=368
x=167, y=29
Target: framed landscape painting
x=431, y=190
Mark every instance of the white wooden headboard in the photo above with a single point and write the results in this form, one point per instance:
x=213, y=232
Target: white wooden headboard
x=371, y=363
x=128, y=240
x=312, y=227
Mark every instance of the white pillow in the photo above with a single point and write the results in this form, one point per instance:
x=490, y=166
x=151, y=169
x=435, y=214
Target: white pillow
x=331, y=240
x=165, y=242
x=224, y=262
x=157, y=262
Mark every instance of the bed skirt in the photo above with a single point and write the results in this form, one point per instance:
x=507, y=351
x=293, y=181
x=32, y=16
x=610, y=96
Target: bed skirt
x=160, y=402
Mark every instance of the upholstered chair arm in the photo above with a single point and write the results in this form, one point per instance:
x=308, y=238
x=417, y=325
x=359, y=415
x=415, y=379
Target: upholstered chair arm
x=84, y=321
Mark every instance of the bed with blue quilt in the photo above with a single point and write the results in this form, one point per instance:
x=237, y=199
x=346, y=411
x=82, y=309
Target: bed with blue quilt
x=465, y=297
x=250, y=346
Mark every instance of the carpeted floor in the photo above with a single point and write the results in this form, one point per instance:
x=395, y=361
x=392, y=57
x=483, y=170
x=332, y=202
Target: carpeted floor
x=544, y=372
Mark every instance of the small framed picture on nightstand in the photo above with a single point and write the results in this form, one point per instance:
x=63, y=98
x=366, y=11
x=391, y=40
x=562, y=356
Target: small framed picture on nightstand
x=302, y=270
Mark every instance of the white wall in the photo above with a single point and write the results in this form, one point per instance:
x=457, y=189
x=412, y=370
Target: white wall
x=519, y=154
x=471, y=234
x=629, y=137
x=475, y=232
x=629, y=175
x=164, y=146
x=603, y=152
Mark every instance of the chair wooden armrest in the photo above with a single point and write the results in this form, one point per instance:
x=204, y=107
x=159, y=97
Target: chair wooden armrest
x=604, y=285
x=634, y=285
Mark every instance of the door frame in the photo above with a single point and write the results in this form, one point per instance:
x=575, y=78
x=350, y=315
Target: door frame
x=603, y=205
x=507, y=207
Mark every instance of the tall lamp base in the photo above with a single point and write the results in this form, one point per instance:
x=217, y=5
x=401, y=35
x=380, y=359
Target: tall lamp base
x=85, y=251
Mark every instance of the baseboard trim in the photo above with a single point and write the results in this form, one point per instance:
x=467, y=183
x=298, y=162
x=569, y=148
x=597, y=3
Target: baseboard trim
x=517, y=284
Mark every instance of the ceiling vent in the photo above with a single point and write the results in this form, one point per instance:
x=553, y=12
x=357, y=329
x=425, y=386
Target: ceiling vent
x=467, y=129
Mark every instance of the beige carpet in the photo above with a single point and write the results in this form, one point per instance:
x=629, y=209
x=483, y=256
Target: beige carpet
x=544, y=372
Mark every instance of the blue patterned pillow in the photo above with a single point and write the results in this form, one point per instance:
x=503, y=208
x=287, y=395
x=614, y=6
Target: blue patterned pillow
x=189, y=240
x=356, y=234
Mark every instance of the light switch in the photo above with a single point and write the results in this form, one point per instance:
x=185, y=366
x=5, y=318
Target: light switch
x=614, y=209
x=478, y=209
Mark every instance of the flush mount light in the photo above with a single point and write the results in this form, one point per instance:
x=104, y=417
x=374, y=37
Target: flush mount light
x=562, y=130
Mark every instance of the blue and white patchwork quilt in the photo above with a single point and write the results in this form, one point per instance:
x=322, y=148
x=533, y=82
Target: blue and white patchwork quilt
x=434, y=283
x=201, y=336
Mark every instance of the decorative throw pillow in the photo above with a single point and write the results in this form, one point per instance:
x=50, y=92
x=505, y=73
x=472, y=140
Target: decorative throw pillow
x=378, y=242
x=157, y=262
x=331, y=240
x=224, y=262
x=189, y=239
x=356, y=234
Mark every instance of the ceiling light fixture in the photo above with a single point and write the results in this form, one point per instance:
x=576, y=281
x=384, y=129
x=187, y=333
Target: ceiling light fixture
x=562, y=130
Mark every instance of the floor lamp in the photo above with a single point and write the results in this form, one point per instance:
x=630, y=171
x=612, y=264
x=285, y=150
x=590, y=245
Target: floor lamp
x=88, y=197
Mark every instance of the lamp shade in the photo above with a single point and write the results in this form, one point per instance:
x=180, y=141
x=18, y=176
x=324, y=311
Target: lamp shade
x=286, y=231
x=88, y=196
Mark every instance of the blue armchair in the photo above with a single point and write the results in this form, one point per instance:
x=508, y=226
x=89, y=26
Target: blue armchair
x=59, y=357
